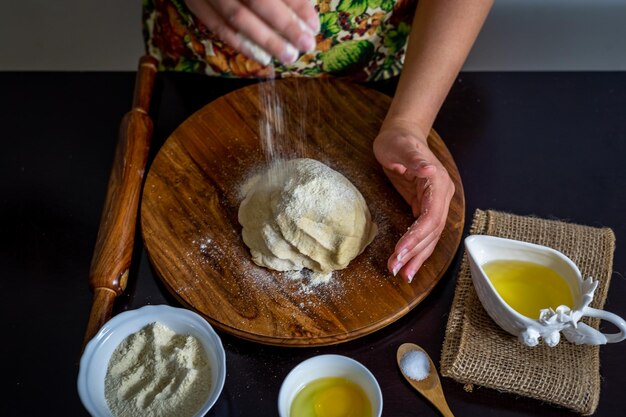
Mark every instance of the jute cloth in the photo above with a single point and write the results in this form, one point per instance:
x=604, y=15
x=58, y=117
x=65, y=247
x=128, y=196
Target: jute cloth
x=477, y=351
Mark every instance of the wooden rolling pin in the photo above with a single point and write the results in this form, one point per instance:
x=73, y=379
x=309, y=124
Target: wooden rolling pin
x=114, y=245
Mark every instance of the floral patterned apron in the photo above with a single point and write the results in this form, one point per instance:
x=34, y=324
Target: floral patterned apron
x=361, y=39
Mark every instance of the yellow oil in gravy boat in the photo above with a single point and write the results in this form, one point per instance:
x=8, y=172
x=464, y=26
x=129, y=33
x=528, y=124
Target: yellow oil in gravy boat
x=551, y=321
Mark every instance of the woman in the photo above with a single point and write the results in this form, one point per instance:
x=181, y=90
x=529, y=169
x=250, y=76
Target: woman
x=368, y=40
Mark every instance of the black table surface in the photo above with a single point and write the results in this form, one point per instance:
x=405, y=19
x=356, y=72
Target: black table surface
x=551, y=145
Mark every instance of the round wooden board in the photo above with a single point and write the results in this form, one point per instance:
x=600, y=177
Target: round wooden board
x=192, y=236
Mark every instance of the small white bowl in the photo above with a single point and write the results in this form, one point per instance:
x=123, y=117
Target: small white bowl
x=324, y=366
x=95, y=358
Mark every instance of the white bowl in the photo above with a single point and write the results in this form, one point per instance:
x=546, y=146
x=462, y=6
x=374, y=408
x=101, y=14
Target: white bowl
x=329, y=366
x=95, y=358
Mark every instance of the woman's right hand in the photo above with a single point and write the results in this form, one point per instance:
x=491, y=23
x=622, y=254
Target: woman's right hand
x=261, y=29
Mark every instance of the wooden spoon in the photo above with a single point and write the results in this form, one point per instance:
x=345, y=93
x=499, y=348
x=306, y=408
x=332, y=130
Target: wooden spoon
x=429, y=387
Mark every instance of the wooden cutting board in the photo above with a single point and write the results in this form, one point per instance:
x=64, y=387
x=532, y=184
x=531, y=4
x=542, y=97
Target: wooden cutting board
x=193, y=239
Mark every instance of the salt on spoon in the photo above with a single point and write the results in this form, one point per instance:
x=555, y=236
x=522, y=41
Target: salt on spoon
x=415, y=365
x=419, y=370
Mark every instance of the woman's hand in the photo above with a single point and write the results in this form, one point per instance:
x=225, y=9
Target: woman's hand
x=424, y=183
x=441, y=36
x=261, y=29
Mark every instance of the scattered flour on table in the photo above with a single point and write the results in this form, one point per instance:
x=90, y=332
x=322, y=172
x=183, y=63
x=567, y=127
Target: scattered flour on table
x=156, y=372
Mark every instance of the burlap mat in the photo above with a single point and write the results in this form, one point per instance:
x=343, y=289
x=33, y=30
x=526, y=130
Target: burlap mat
x=477, y=351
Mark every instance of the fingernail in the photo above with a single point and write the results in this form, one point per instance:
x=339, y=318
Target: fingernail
x=255, y=51
x=303, y=26
x=395, y=270
x=289, y=55
x=314, y=24
x=306, y=42
x=410, y=277
x=401, y=254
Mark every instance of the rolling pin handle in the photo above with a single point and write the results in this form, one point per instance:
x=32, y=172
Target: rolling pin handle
x=101, y=311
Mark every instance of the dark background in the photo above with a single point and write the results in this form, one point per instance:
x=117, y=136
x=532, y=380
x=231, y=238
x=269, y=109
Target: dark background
x=546, y=144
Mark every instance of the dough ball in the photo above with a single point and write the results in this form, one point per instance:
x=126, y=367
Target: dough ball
x=300, y=214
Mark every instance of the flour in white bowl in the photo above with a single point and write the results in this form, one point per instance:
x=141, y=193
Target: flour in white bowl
x=156, y=372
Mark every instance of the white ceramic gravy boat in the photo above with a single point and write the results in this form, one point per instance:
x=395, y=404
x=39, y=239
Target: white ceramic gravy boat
x=483, y=249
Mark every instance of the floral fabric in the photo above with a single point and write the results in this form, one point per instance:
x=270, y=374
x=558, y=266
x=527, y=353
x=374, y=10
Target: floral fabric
x=361, y=39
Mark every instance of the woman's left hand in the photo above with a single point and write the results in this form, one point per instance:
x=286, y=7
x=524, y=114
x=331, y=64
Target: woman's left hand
x=421, y=179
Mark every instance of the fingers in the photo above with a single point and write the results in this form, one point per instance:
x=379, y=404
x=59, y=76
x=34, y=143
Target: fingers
x=416, y=246
x=302, y=11
x=431, y=209
x=275, y=26
x=216, y=24
x=306, y=12
x=416, y=173
x=427, y=184
x=411, y=268
x=261, y=28
x=409, y=247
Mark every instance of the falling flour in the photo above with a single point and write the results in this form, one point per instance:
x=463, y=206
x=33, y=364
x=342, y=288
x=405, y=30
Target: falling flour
x=156, y=372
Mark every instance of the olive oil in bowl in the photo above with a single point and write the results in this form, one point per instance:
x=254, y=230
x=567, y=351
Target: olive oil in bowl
x=528, y=287
x=516, y=280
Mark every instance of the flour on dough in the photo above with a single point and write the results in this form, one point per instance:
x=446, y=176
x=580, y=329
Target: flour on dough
x=300, y=214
